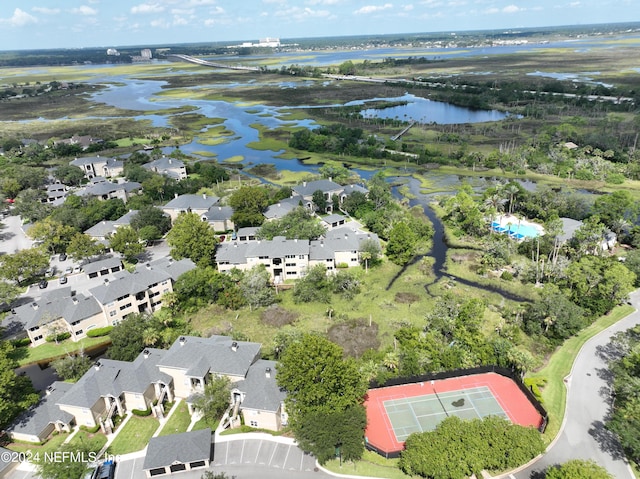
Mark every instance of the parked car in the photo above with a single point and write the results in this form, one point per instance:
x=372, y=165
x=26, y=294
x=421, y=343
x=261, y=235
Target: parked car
x=92, y=473
x=68, y=270
x=43, y=284
x=63, y=280
x=107, y=470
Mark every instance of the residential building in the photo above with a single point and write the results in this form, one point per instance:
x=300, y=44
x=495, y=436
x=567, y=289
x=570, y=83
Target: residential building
x=85, y=141
x=114, y=387
x=261, y=399
x=103, y=267
x=56, y=194
x=58, y=312
x=99, y=166
x=141, y=291
x=219, y=217
x=100, y=231
x=104, y=190
x=39, y=421
x=283, y=207
x=290, y=259
x=248, y=233
x=178, y=452
x=328, y=188
x=198, y=204
x=171, y=167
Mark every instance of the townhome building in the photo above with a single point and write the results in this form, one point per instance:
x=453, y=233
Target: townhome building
x=219, y=218
x=171, y=167
x=199, y=204
x=102, y=189
x=93, y=166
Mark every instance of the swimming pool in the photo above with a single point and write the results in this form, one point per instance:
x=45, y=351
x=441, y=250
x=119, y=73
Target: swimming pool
x=517, y=231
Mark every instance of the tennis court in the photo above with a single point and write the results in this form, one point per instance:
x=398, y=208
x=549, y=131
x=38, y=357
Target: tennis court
x=424, y=413
x=395, y=412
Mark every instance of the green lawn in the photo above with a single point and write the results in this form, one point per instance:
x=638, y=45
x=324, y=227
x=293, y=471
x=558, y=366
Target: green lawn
x=554, y=393
x=28, y=355
x=371, y=465
x=178, y=422
x=135, y=435
x=95, y=440
x=51, y=445
x=201, y=424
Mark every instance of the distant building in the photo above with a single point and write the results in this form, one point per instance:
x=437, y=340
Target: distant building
x=113, y=52
x=146, y=53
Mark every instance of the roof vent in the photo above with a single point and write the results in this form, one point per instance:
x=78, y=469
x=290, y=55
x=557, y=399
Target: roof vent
x=267, y=372
x=34, y=305
x=49, y=389
x=97, y=365
x=182, y=340
x=146, y=353
x=234, y=346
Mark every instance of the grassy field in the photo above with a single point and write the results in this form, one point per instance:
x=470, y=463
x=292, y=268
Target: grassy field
x=371, y=465
x=48, y=351
x=134, y=436
x=51, y=445
x=178, y=422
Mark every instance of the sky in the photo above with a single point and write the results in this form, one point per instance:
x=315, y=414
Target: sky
x=33, y=24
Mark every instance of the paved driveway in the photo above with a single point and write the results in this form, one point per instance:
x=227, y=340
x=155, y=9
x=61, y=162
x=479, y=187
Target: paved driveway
x=583, y=435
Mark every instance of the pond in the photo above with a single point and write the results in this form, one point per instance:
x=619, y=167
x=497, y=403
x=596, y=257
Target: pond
x=423, y=110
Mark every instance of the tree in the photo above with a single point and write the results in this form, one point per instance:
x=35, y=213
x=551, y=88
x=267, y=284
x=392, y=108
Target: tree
x=8, y=292
x=256, y=287
x=370, y=253
x=317, y=378
x=16, y=392
x=29, y=204
x=69, y=175
x=319, y=201
x=313, y=287
x=402, y=244
x=297, y=224
x=214, y=400
x=71, y=368
x=324, y=397
x=192, y=238
x=81, y=247
x=151, y=216
x=554, y=315
x=126, y=241
x=248, y=203
x=614, y=207
x=54, y=235
x=131, y=335
x=23, y=264
x=74, y=461
x=578, y=469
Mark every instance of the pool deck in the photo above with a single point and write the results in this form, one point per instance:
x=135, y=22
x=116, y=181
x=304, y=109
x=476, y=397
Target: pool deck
x=512, y=224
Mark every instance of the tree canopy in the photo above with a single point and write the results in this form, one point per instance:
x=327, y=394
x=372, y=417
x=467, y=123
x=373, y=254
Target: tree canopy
x=192, y=238
x=16, y=392
x=248, y=203
x=297, y=224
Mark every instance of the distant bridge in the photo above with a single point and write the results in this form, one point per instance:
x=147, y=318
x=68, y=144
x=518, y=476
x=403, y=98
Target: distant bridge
x=199, y=61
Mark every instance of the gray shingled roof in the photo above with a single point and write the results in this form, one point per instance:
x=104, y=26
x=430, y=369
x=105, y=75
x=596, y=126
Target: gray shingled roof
x=247, y=231
x=218, y=213
x=196, y=202
x=106, y=187
x=125, y=219
x=102, y=229
x=261, y=392
x=50, y=307
x=308, y=189
x=87, y=160
x=115, y=377
x=97, y=266
x=124, y=283
x=319, y=251
x=178, y=448
x=172, y=267
x=282, y=208
x=348, y=189
x=232, y=253
x=569, y=228
x=37, y=418
x=333, y=218
x=217, y=353
x=278, y=247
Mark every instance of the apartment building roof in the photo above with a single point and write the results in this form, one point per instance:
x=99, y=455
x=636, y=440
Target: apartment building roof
x=109, y=377
x=260, y=387
x=217, y=354
x=50, y=308
x=36, y=419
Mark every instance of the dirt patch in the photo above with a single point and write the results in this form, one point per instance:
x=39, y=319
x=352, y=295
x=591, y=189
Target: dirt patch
x=277, y=316
x=355, y=336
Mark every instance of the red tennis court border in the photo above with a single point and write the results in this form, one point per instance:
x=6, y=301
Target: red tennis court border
x=379, y=432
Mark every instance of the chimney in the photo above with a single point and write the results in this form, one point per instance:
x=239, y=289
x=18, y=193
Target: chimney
x=75, y=300
x=267, y=372
x=106, y=281
x=146, y=353
x=330, y=178
x=182, y=340
x=234, y=346
x=204, y=196
x=175, y=195
x=148, y=265
x=97, y=366
x=304, y=183
x=49, y=389
x=34, y=305
x=169, y=160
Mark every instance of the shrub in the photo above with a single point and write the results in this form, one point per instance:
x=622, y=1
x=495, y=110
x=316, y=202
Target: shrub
x=534, y=385
x=506, y=275
x=141, y=412
x=97, y=332
x=342, y=265
x=90, y=430
x=20, y=343
x=58, y=337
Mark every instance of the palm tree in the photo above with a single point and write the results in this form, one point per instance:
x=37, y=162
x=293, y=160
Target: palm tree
x=512, y=190
x=494, y=204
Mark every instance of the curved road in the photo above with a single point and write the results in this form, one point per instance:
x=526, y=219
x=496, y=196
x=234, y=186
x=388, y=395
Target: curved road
x=583, y=435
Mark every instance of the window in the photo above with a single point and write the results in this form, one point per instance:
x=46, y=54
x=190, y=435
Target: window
x=290, y=256
x=37, y=338
x=290, y=265
x=291, y=273
x=78, y=332
x=253, y=423
x=125, y=306
x=112, y=313
x=301, y=256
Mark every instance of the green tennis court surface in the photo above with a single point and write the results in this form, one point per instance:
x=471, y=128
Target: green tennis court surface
x=424, y=413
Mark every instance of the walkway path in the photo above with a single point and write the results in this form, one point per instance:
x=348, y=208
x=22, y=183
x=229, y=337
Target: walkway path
x=583, y=435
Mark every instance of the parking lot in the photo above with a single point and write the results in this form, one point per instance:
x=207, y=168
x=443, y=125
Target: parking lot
x=262, y=453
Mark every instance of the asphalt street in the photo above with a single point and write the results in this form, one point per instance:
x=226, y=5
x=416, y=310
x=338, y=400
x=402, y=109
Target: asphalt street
x=589, y=401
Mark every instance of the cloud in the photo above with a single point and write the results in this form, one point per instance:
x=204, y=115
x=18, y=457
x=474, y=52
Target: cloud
x=367, y=9
x=19, y=18
x=144, y=8
x=46, y=11
x=408, y=8
x=84, y=10
x=299, y=14
x=200, y=3
x=182, y=11
x=322, y=2
x=512, y=9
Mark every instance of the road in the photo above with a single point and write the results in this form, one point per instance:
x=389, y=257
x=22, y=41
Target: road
x=589, y=401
